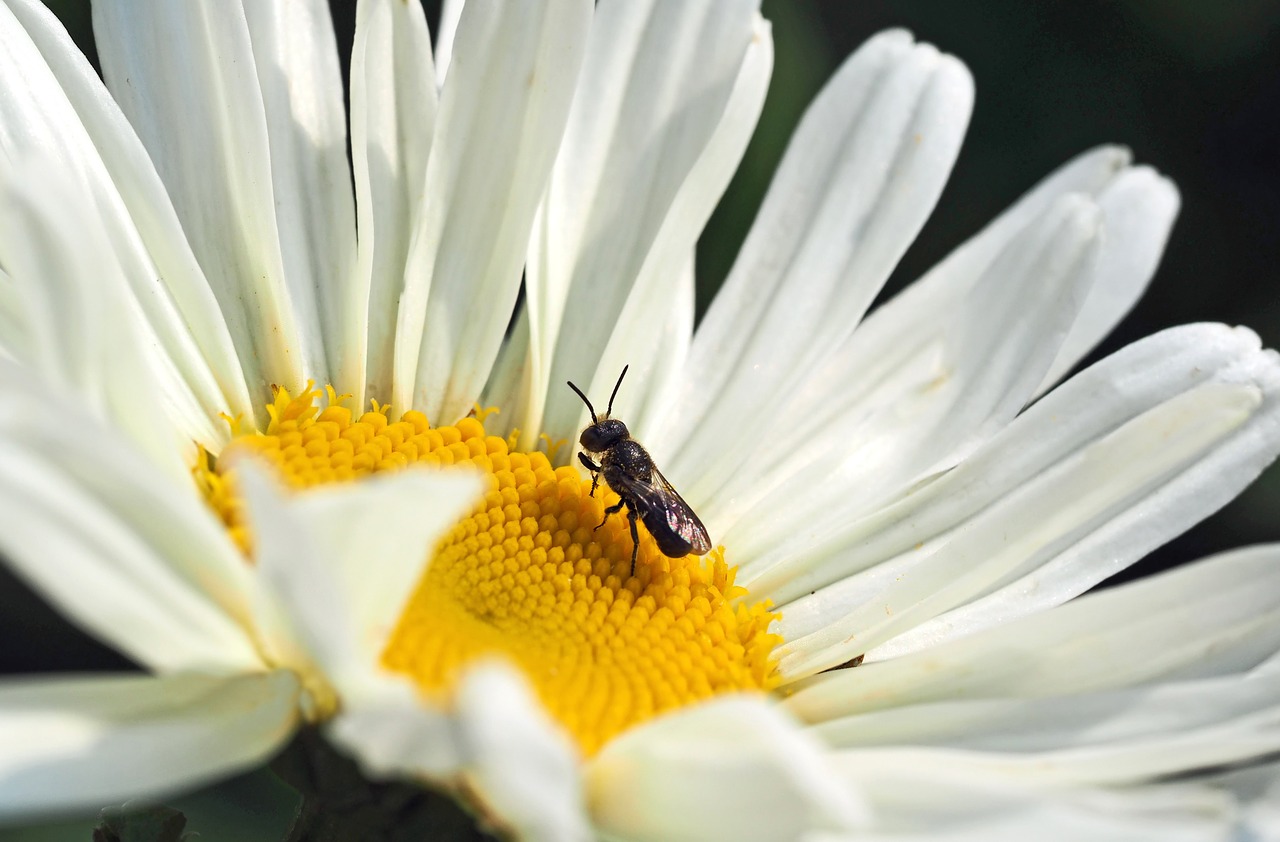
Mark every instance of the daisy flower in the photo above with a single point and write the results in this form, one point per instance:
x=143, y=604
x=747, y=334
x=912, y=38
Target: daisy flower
x=888, y=638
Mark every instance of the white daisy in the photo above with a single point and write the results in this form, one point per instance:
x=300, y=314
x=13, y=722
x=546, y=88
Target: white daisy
x=181, y=259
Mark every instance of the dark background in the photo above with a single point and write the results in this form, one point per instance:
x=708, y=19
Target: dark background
x=1192, y=87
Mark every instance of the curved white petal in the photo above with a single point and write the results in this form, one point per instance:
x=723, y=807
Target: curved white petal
x=632, y=187
x=496, y=741
x=658, y=297
x=56, y=104
x=507, y=378
x=15, y=338
x=895, y=350
x=392, y=732
x=186, y=76
x=1209, y=485
x=393, y=113
x=80, y=743
x=1257, y=789
x=1109, y=466
x=502, y=114
x=1110, y=481
x=1012, y=724
x=137, y=561
x=83, y=325
x=931, y=300
x=1218, y=616
x=450, y=14
x=296, y=56
x=966, y=382
x=731, y=768
x=916, y=800
x=343, y=560
x=668, y=355
x=1107, y=765
x=519, y=763
x=1138, y=209
x=860, y=177
x=896, y=356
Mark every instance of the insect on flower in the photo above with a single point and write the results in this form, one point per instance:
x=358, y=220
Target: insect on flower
x=640, y=486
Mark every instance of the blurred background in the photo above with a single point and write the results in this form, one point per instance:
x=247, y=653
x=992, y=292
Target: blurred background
x=1192, y=87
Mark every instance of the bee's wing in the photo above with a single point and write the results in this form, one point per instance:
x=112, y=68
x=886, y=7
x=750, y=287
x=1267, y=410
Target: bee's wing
x=666, y=505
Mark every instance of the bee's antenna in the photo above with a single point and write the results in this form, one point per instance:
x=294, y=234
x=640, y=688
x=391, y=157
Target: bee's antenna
x=594, y=419
x=609, y=411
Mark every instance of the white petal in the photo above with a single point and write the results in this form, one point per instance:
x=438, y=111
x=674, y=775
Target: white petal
x=450, y=14
x=15, y=339
x=84, y=330
x=1216, y=617
x=732, y=768
x=932, y=298
x=1113, y=479
x=968, y=382
x=1111, y=765
x=519, y=762
x=1204, y=488
x=81, y=743
x=393, y=113
x=1115, y=462
x=396, y=522
x=497, y=742
x=669, y=95
x=894, y=352
x=1011, y=724
x=392, y=732
x=186, y=77
x=916, y=800
x=502, y=113
x=1257, y=788
x=297, y=70
x=893, y=346
x=506, y=381
x=343, y=560
x=299, y=613
x=134, y=559
x=667, y=360
x=659, y=297
x=1138, y=207
x=64, y=111
x=861, y=175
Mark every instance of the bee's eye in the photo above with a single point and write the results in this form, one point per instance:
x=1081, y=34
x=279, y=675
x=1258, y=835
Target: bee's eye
x=591, y=439
x=604, y=435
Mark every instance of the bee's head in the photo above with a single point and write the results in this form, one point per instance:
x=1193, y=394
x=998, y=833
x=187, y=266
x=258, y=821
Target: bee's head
x=603, y=435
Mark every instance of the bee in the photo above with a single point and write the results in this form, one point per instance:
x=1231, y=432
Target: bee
x=641, y=488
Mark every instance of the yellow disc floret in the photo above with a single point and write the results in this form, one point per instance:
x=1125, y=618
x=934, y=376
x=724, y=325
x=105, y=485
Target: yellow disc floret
x=527, y=576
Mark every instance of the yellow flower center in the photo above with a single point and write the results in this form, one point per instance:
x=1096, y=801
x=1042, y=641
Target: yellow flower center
x=527, y=575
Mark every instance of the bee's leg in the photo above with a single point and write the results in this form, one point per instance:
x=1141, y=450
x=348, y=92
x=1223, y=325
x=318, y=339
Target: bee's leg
x=612, y=510
x=593, y=468
x=632, y=516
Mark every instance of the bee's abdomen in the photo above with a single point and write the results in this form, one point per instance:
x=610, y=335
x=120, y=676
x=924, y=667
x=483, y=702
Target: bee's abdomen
x=666, y=534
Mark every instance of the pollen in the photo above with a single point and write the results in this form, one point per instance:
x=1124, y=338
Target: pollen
x=527, y=576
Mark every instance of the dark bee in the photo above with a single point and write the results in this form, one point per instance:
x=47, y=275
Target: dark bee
x=645, y=492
